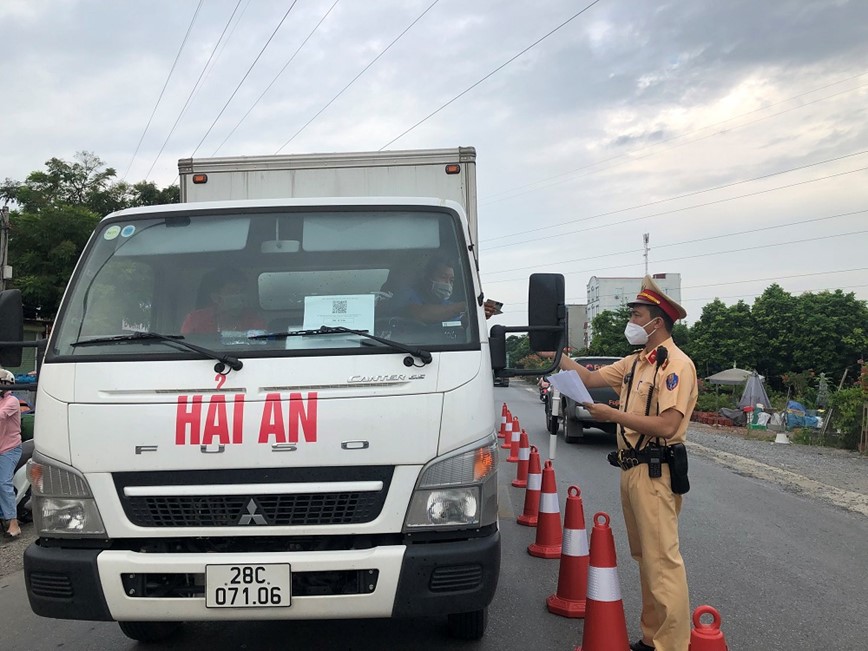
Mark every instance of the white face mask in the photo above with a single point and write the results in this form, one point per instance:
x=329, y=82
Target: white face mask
x=636, y=334
x=441, y=290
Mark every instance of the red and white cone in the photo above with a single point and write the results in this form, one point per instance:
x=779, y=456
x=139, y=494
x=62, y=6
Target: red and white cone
x=548, y=530
x=505, y=425
x=605, y=625
x=515, y=446
x=707, y=637
x=520, y=480
x=515, y=430
x=530, y=515
x=570, y=599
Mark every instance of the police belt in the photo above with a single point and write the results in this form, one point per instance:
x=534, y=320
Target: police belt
x=630, y=458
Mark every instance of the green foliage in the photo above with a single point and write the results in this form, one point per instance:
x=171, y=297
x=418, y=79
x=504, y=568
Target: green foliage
x=847, y=417
x=722, y=338
x=775, y=322
x=608, y=329
x=57, y=209
x=44, y=247
x=517, y=349
x=713, y=401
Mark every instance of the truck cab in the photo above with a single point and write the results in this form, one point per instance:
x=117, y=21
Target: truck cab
x=298, y=446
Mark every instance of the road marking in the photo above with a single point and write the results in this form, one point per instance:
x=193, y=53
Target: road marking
x=856, y=502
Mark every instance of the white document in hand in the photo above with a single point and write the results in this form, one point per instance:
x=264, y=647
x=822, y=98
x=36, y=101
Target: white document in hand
x=570, y=384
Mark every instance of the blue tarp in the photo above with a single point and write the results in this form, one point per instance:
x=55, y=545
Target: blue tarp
x=798, y=416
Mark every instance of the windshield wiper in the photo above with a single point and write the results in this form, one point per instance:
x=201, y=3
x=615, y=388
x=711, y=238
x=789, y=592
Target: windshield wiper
x=423, y=355
x=223, y=360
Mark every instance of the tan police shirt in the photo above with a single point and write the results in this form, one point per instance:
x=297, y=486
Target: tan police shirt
x=674, y=387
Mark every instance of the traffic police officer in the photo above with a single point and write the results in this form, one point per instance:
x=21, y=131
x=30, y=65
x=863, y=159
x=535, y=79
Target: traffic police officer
x=658, y=393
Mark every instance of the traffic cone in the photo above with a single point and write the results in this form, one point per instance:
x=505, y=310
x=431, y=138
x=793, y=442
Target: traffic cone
x=520, y=480
x=514, y=447
x=548, y=530
x=706, y=637
x=515, y=430
x=605, y=625
x=570, y=599
x=505, y=424
x=530, y=515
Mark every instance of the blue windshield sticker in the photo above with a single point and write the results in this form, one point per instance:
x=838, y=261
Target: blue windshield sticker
x=128, y=230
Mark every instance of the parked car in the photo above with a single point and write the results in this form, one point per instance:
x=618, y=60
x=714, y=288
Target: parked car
x=575, y=417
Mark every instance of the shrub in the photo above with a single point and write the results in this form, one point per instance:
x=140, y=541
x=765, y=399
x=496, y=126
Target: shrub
x=847, y=416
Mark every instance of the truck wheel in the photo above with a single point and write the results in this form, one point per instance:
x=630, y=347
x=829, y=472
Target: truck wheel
x=573, y=430
x=468, y=626
x=149, y=631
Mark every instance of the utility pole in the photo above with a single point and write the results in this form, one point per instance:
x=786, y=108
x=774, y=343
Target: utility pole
x=645, y=239
x=5, y=269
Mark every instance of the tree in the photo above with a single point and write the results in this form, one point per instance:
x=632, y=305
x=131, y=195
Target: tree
x=45, y=246
x=608, y=334
x=722, y=338
x=831, y=332
x=517, y=348
x=775, y=322
x=56, y=210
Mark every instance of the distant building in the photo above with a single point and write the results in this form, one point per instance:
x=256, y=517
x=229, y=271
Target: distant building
x=578, y=326
x=606, y=293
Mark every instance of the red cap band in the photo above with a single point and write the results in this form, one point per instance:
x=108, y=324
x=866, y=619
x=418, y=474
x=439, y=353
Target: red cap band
x=650, y=296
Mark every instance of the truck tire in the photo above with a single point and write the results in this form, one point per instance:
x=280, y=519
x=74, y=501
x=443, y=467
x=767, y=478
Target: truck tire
x=468, y=626
x=149, y=631
x=573, y=430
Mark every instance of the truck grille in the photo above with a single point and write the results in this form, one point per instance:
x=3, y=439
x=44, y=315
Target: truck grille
x=315, y=508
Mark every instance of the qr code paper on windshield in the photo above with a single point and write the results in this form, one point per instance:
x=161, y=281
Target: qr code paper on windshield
x=339, y=307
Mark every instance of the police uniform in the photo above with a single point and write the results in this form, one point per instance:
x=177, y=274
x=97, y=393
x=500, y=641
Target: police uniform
x=650, y=506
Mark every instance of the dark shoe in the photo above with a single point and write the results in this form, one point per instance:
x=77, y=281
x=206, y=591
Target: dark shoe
x=639, y=645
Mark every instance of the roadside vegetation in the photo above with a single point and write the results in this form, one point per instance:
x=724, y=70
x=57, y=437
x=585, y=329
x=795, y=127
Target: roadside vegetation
x=810, y=347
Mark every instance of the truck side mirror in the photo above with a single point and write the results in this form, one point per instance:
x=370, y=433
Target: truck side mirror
x=545, y=300
x=11, y=326
x=497, y=347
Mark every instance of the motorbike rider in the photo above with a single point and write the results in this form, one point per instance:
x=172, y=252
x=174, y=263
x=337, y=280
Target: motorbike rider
x=10, y=452
x=543, y=385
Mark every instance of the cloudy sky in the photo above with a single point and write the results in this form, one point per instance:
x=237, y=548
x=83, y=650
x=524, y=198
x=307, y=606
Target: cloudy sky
x=734, y=133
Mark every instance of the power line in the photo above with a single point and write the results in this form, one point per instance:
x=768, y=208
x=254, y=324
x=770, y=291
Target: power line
x=701, y=255
x=694, y=241
x=285, y=66
x=193, y=90
x=756, y=280
x=497, y=69
x=680, y=196
x=175, y=63
x=238, y=87
x=676, y=210
x=353, y=80
x=658, y=147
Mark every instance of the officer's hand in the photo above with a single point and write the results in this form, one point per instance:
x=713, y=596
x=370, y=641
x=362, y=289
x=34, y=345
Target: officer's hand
x=599, y=412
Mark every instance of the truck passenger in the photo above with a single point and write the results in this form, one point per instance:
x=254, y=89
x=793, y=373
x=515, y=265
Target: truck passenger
x=229, y=308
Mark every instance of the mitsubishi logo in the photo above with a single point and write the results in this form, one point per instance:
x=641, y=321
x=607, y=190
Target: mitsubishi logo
x=251, y=517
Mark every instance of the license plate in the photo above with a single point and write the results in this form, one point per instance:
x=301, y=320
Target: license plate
x=247, y=586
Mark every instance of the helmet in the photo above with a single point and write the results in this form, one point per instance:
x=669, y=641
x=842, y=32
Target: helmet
x=6, y=377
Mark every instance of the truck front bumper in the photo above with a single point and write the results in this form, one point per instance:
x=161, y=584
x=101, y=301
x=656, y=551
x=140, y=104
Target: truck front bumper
x=390, y=581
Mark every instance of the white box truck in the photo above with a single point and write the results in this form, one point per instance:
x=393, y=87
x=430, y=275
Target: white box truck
x=274, y=401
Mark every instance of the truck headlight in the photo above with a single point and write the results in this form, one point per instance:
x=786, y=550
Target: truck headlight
x=457, y=491
x=63, y=504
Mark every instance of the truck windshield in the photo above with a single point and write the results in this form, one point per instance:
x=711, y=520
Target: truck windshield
x=235, y=281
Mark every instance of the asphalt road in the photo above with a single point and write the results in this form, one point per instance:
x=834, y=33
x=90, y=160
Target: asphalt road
x=785, y=569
